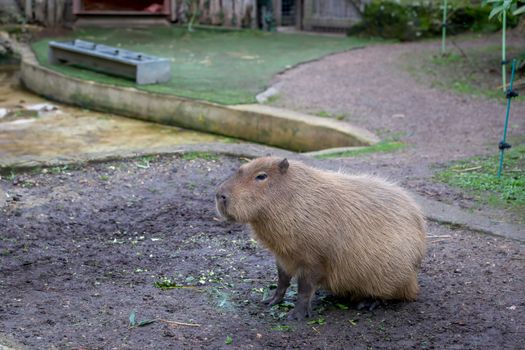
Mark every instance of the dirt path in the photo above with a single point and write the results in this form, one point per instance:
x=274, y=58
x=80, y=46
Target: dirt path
x=371, y=88
x=81, y=249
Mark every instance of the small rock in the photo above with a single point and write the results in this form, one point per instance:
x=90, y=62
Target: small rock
x=3, y=112
x=3, y=198
x=168, y=334
x=42, y=107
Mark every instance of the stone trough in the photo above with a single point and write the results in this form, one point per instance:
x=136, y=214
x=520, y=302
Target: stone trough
x=144, y=69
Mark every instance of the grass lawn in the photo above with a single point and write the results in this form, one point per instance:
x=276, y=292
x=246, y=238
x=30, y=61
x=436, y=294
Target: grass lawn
x=381, y=147
x=479, y=176
x=227, y=67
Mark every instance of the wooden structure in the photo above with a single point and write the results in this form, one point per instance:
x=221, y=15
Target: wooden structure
x=317, y=15
x=311, y=15
x=126, y=13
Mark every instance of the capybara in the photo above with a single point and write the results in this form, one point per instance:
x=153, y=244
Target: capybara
x=354, y=235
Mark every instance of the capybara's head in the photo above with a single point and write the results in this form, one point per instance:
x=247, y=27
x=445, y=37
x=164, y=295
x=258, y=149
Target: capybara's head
x=252, y=189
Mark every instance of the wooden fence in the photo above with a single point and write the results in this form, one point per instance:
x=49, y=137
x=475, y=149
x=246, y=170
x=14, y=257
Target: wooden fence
x=309, y=14
x=228, y=13
x=327, y=15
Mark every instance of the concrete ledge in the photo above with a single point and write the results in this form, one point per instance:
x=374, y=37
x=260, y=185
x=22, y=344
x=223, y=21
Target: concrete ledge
x=255, y=123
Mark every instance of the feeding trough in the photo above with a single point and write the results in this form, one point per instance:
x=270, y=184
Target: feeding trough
x=144, y=69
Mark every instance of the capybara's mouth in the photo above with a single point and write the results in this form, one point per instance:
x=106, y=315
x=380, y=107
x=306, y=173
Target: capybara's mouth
x=221, y=210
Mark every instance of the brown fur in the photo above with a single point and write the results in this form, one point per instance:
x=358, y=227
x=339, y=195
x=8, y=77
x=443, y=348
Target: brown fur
x=358, y=235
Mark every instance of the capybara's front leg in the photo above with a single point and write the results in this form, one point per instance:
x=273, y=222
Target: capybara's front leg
x=283, y=283
x=306, y=287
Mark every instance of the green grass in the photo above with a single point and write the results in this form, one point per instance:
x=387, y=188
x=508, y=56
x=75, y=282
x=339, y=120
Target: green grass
x=382, y=147
x=199, y=155
x=325, y=114
x=478, y=176
x=227, y=67
x=472, y=71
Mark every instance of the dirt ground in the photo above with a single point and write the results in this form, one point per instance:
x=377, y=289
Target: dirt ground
x=81, y=249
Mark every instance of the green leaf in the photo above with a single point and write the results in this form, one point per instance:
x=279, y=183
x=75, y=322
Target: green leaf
x=281, y=328
x=132, y=319
x=145, y=323
x=320, y=321
x=341, y=306
x=228, y=340
x=496, y=11
x=266, y=293
x=519, y=11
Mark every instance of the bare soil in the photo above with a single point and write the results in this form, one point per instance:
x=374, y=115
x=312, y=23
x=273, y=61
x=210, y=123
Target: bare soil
x=81, y=249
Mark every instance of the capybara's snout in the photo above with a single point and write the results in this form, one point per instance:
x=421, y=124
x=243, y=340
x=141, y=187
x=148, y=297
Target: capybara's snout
x=221, y=197
x=221, y=201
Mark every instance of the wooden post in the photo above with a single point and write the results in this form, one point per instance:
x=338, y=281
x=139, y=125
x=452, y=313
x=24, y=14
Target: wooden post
x=307, y=14
x=40, y=11
x=255, y=20
x=29, y=10
x=299, y=9
x=50, y=13
x=237, y=12
x=173, y=10
x=247, y=14
x=59, y=11
x=277, y=12
x=215, y=12
x=204, y=9
x=227, y=9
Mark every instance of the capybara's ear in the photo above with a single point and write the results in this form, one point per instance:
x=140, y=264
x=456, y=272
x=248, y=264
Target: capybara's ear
x=283, y=165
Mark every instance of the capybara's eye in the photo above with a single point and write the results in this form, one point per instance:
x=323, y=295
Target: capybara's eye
x=261, y=177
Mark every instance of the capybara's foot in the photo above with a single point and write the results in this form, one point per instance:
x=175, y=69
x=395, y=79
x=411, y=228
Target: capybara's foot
x=369, y=304
x=274, y=300
x=299, y=313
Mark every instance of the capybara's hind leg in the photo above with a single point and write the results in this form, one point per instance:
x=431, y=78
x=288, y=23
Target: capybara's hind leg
x=409, y=291
x=283, y=283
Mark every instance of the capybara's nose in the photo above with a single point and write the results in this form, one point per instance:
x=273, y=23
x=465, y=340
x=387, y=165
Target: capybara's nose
x=221, y=197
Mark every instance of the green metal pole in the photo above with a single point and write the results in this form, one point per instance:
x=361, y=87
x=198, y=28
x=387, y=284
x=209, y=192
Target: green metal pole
x=503, y=144
x=503, y=51
x=444, y=28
